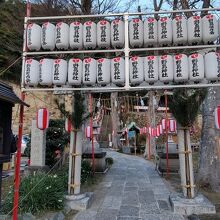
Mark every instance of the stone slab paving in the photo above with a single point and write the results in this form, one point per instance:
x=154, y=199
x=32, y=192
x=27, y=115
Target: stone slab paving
x=130, y=190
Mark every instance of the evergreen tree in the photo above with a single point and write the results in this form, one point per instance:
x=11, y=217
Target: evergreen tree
x=11, y=37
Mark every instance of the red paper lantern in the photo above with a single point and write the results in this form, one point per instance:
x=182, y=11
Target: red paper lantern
x=42, y=118
x=68, y=125
x=152, y=131
x=217, y=117
x=144, y=130
x=172, y=125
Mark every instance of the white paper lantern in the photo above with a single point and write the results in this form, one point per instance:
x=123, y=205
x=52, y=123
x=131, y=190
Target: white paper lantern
x=46, y=72
x=212, y=66
x=194, y=30
x=117, y=33
x=136, y=36
x=42, y=119
x=172, y=125
x=196, y=67
x=75, y=69
x=165, y=31
x=89, y=71
x=210, y=28
x=151, y=69
x=31, y=72
x=62, y=35
x=163, y=123
x=161, y=128
x=89, y=35
x=158, y=130
x=33, y=36
x=103, y=71
x=103, y=34
x=179, y=26
x=118, y=70
x=59, y=72
x=150, y=32
x=48, y=36
x=88, y=132
x=181, y=70
x=149, y=130
x=76, y=35
x=166, y=68
x=136, y=70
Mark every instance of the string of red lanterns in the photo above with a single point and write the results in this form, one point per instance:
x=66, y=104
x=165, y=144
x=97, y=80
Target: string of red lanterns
x=43, y=122
x=161, y=127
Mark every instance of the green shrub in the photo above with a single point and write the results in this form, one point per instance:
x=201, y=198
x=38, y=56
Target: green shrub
x=120, y=150
x=56, y=139
x=86, y=171
x=109, y=161
x=38, y=193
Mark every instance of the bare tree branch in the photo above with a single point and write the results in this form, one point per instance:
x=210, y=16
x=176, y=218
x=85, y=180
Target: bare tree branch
x=206, y=4
x=185, y=5
x=157, y=7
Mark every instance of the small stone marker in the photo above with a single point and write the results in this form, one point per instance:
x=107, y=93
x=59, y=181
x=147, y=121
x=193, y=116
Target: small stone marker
x=38, y=146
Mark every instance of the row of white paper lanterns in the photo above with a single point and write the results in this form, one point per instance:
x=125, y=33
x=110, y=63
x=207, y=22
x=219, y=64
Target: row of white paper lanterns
x=166, y=68
x=103, y=34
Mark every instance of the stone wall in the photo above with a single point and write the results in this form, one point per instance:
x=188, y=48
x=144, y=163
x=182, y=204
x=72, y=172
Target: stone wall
x=36, y=100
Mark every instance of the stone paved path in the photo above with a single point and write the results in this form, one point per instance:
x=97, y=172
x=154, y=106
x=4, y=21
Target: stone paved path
x=131, y=190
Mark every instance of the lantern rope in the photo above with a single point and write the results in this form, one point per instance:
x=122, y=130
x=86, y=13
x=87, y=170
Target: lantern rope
x=12, y=64
x=47, y=103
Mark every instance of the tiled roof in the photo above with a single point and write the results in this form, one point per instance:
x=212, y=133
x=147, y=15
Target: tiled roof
x=7, y=94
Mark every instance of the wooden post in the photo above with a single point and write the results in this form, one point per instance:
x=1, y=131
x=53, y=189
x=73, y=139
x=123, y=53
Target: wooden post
x=149, y=150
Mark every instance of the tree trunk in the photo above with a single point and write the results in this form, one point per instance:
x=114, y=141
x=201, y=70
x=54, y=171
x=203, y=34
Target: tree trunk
x=78, y=159
x=75, y=162
x=209, y=160
x=115, y=119
x=151, y=116
x=186, y=164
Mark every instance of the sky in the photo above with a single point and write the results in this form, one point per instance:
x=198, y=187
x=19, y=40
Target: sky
x=147, y=5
